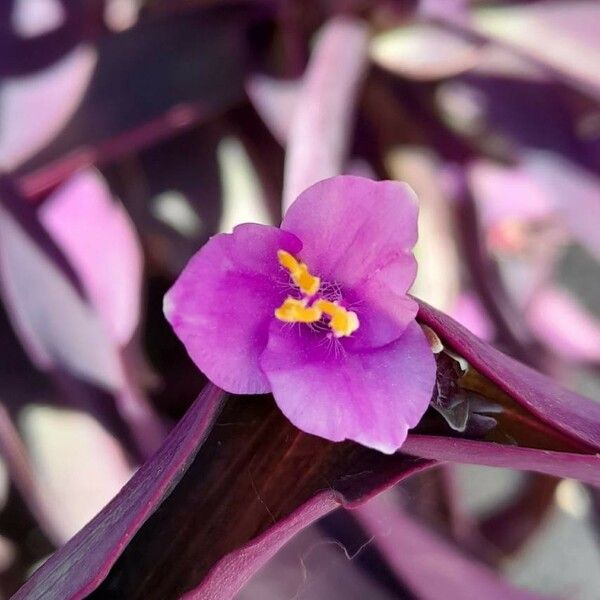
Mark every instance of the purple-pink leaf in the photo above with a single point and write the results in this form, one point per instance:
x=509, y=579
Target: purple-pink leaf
x=65, y=446
x=58, y=327
x=431, y=567
x=34, y=108
x=566, y=411
x=584, y=467
x=564, y=325
x=574, y=191
x=508, y=194
x=469, y=312
x=319, y=133
x=561, y=35
x=97, y=237
x=275, y=101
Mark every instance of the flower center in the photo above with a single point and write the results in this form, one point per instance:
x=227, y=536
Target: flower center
x=312, y=308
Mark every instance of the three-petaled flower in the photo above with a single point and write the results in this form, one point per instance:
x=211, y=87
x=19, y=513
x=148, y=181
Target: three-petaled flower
x=316, y=312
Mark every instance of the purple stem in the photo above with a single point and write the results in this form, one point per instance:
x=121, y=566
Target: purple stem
x=178, y=119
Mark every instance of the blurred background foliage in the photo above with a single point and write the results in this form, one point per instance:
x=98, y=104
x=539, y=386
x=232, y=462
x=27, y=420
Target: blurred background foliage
x=131, y=131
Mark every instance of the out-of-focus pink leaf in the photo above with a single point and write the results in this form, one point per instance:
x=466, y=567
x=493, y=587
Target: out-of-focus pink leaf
x=322, y=124
x=566, y=411
x=58, y=326
x=574, y=191
x=563, y=35
x=437, y=281
x=79, y=465
x=469, y=312
x=61, y=329
x=425, y=51
x=565, y=326
x=430, y=566
x=77, y=568
x=507, y=194
x=34, y=108
x=275, y=101
x=16, y=458
x=31, y=18
x=97, y=237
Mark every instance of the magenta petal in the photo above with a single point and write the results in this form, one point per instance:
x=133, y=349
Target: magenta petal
x=223, y=302
x=384, y=311
x=359, y=234
x=371, y=396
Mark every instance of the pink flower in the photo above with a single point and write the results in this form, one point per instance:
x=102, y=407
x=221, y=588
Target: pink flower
x=316, y=312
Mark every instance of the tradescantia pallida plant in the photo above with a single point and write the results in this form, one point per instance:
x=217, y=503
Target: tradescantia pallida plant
x=309, y=209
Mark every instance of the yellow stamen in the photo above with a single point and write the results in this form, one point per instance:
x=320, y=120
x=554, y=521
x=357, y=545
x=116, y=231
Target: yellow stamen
x=296, y=311
x=342, y=322
x=301, y=276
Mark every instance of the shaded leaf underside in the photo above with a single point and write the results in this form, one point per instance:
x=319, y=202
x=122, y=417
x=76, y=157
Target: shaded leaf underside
x=256, y=481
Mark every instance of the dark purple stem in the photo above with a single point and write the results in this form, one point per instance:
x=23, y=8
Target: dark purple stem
x=178, y=119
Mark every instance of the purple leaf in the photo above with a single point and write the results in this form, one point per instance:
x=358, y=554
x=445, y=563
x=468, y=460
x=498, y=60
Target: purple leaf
x=319, y=133
x=585, y=467
x=58, y=327
x=562, y=35
x=255, y=471
x=425, y=51
x=430, y=566
x=257, y=480
x=566, y=411
x=34, y=108
x=97, y=237
x=98, y=545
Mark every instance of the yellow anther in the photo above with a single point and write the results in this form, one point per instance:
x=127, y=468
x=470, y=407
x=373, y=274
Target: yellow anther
x=296, y=311
x=287, y=261
x=341, y=321
x=308, y=284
